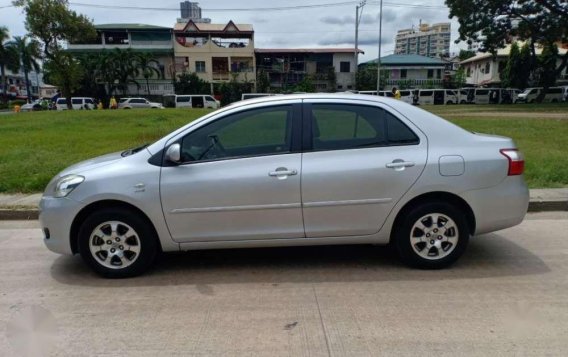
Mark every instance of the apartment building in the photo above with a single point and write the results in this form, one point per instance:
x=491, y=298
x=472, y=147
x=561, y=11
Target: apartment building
x=286, y=67
x=217, y=53
x=426, y=40
x=156, y=40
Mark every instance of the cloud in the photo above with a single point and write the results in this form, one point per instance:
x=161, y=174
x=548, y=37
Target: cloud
x=388, y=17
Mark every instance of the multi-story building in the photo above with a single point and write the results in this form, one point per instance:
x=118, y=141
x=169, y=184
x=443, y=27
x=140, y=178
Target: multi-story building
x=286, y=67
x=156, y=40
x=429, y=41
x=412, y=71
x=217, y=53
x=484, y=69
x=16, y=84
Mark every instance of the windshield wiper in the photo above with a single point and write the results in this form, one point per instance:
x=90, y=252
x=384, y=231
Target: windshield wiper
x=134, y=151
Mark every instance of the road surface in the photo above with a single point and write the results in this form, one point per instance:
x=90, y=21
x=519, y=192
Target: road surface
x=507, y=296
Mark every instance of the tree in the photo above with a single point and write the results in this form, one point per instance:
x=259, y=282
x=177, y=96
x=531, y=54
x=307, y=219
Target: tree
x=366, y=77
x=500, y=22
x=53, y=23
x=190, y=83
x=465, y=54
x=509, y=76
x=546, y=73
x=149, y=67
x=305, y=85
x=332, y=79
x=8, y=58
x=123, y=66
x=262, y=81
x=459, y=78
x=28, y=52
x=64, y=71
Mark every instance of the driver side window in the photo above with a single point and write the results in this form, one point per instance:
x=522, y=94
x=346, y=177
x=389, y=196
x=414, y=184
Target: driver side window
x=265, y=131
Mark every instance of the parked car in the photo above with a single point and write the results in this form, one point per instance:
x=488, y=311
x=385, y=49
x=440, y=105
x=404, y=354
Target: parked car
x=553, y=95
x=38, y=104
x=191, y=101
x=78, y=103
x=138, y=103
x=285, y=171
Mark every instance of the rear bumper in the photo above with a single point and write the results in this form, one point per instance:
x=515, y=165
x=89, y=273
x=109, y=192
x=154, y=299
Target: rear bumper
x=56, y=215
x=499, y=207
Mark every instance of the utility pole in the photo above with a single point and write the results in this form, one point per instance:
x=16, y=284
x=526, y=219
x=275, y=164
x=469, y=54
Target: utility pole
x=379, y=59
x=357, y=22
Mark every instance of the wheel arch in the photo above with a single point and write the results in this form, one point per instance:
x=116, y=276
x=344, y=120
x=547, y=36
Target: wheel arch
x=98, y=205
x=438, y=196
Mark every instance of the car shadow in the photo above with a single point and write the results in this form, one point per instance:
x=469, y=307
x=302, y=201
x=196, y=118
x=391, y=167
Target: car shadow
x=487, y=256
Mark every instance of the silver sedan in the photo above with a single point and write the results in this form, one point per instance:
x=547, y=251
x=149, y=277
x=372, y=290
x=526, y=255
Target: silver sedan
x=288, y=171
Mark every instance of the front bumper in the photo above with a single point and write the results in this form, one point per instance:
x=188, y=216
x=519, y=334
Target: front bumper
x=56, y=215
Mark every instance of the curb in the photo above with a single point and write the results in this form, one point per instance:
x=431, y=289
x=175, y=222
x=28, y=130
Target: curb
x=27, y=214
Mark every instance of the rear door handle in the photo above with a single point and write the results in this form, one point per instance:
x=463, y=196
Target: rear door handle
x=282, y=171
x=399, y=164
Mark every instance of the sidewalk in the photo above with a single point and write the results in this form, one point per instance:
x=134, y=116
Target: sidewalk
x=24, y=207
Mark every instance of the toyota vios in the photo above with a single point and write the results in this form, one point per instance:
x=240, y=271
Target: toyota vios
x=288, y=171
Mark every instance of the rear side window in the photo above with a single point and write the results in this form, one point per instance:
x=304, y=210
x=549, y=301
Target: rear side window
x=76, y=101
x=426, y=93
x=482, y=92
x=183, y=99
x=342, y=126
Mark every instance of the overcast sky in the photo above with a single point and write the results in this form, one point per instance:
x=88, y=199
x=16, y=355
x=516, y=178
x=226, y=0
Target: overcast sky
x=299, y=28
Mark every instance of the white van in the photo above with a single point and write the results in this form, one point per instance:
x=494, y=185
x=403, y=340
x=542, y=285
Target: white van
x=553, y=95
x=437, y=96
x=78, y=103
x=190, y=101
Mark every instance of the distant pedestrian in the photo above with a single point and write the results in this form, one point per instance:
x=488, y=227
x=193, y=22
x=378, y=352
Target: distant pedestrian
x=395, y=93
x=112, y=104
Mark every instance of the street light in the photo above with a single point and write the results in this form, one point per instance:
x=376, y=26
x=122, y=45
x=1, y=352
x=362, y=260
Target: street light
x=379, y=58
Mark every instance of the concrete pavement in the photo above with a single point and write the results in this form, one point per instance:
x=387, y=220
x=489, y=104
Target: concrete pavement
x=506, y=296
x=24, y=206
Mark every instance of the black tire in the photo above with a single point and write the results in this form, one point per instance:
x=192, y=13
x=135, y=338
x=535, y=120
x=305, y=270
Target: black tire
x=147, y=238
x=402, y=234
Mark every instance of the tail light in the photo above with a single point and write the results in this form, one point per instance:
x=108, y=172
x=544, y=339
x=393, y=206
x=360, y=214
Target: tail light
x=516, y=161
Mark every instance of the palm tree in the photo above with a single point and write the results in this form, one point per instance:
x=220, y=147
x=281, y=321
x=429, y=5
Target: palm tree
x=148, y=66
x=8, y=57
x=28, y=52
x=123, y=64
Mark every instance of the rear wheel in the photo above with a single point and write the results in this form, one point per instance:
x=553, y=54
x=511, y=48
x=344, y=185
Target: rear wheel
x=432, y=235
x=117, y=243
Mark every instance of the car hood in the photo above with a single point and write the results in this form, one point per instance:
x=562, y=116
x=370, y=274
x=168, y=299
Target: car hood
x=92, y=163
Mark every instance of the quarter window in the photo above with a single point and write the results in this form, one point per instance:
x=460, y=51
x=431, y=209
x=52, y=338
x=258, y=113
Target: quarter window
x=340, y=127
x=251, y=133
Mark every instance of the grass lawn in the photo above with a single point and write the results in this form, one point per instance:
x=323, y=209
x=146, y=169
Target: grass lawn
x=35, y=146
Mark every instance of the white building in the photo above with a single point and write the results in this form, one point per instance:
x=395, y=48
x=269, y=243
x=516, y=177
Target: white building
x=430, y=41
x=484, y=69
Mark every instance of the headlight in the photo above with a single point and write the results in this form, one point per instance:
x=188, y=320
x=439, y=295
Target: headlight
x=66, y=184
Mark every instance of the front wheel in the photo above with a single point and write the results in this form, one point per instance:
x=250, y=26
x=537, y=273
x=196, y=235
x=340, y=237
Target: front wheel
x=432, y=236
x=117, y=243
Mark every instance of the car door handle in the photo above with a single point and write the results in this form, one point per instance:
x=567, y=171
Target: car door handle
x=399, y=164
x=282, y=171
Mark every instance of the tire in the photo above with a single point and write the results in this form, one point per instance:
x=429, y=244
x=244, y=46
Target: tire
x=123, y=235
x=421, y=253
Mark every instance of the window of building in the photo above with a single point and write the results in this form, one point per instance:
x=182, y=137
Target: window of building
x=116, y=38
x=438, y=73
x=200, y=66
x=345, y=67
x=487, y=67
x=430, y=73
x=403, y=73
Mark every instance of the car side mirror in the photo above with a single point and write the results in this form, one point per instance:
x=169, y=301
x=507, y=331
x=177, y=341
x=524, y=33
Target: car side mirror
x=173, y=154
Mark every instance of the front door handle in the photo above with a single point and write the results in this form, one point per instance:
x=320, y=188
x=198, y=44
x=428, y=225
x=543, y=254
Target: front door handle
x=282, y=172
x=399, y=164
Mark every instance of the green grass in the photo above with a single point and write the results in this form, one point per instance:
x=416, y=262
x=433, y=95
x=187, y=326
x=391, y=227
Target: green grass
x=35, y=146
